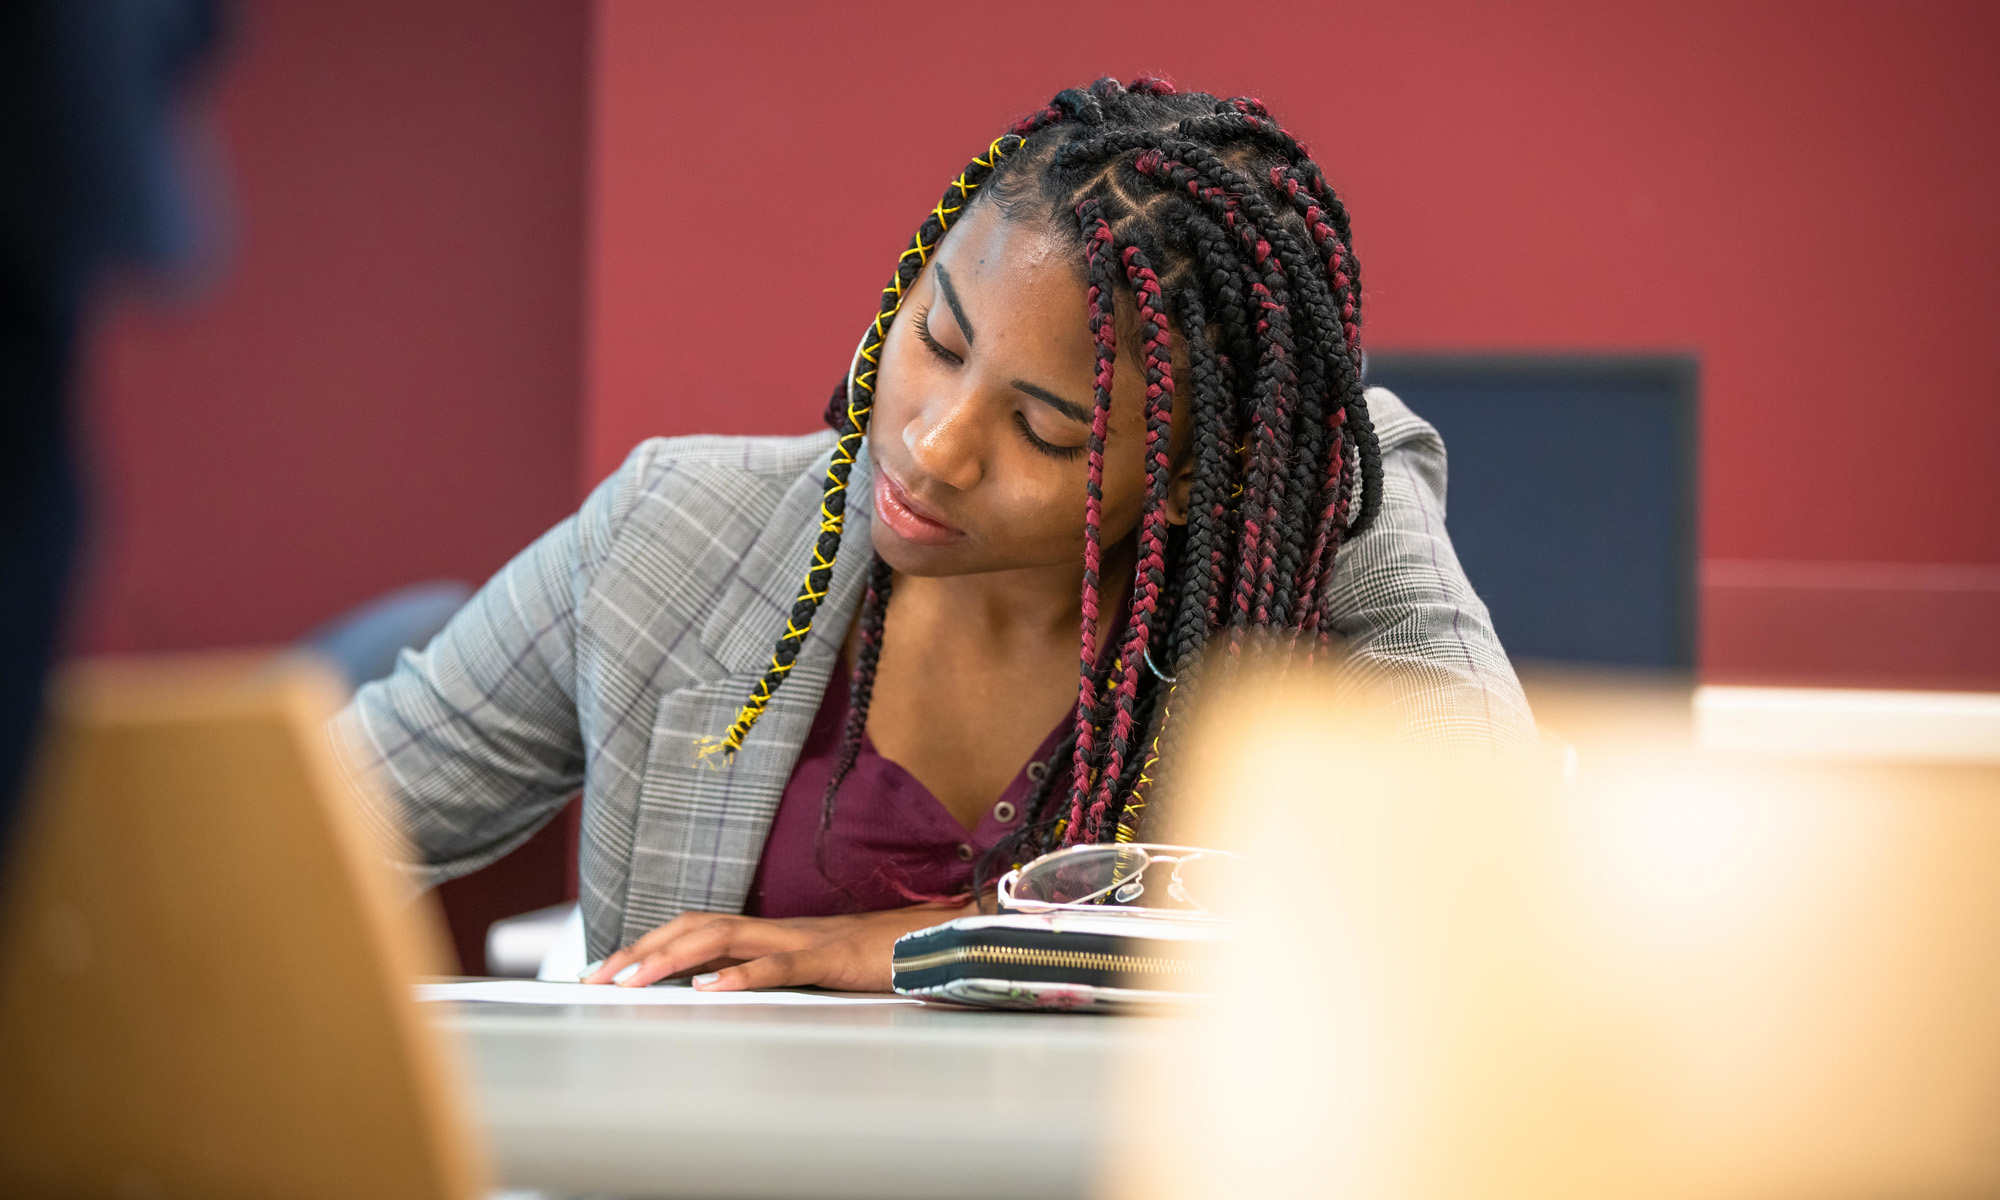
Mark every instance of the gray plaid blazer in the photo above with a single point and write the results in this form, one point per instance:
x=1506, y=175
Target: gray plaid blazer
x=599, y=656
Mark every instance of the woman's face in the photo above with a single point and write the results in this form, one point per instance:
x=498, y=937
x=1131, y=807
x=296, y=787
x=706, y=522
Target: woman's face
x=983, y=407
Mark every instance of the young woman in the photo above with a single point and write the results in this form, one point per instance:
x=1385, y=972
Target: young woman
x=1107, y=430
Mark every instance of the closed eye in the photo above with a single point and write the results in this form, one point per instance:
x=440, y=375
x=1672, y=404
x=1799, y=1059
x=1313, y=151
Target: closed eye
x=1048, y=448
x=924, y=333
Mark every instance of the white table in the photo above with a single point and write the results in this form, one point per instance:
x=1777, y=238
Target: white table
x=880, y=1101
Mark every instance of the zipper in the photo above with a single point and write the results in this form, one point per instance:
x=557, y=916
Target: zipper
x=1018, y=956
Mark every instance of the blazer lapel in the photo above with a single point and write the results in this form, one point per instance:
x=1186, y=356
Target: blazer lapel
x=701, y=827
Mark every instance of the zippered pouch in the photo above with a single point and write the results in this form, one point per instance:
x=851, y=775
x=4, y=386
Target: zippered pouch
x=1055, y=961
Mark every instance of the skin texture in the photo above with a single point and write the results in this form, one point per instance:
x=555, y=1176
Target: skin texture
x=980, y=651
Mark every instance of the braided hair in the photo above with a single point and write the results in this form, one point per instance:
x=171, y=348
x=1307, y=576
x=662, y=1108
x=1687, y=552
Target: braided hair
x=1210, y=217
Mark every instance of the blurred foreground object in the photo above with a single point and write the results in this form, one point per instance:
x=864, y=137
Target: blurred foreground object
x=1635, y=970
x=204, y=965
x=92, y=181
x=1850, y=723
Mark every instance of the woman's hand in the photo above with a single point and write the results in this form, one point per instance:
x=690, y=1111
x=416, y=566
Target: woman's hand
x=849, y=954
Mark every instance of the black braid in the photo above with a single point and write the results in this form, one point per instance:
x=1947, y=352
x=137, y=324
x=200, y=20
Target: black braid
x=1303, y=282
x=1210, y=535
x=1250, y=116
x=1252, y=125
x=1277, y=373
x=1264, y=585
x=874, y=613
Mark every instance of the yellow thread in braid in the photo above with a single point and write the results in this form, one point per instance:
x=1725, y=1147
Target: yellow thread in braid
x=1127, y=820
x=860, y=402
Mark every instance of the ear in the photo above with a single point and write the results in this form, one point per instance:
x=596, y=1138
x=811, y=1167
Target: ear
x=1177, y=491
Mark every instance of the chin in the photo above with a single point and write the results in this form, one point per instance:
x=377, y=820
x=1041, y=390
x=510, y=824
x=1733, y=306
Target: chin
x=908, y=558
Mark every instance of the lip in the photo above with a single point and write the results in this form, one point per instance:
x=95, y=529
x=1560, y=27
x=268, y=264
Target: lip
x=895, y=507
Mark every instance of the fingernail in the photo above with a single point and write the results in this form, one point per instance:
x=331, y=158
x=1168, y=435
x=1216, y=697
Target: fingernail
x=628, y=972
x=590, y=970
x=705, y=980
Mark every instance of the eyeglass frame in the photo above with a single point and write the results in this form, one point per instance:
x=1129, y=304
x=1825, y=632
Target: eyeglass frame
x=1176, y=886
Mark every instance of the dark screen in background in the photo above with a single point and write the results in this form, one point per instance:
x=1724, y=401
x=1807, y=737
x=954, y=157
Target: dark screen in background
x=1571, y=496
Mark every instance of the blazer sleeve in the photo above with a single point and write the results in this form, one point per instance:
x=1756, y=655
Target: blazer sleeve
x=1413, y=627
x=473, y=743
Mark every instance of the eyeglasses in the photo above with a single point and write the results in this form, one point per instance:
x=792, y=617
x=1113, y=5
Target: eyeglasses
x=1086, y=877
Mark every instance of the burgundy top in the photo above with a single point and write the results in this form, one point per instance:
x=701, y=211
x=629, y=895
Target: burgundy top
x=891, y=843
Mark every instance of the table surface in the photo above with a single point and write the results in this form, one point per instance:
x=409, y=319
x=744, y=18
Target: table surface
x=876, y=1101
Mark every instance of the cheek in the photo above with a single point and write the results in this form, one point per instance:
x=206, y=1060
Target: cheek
x=1041, y=507
x=1037, y=505
x=1042, y=501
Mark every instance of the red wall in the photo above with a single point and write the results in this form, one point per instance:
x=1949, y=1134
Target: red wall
x=1799, y=192
x=383, y=385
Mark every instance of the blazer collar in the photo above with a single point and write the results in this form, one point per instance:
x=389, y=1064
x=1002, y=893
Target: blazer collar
x=746, y=621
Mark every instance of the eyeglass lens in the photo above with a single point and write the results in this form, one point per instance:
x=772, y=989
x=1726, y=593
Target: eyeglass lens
x=1080, y=875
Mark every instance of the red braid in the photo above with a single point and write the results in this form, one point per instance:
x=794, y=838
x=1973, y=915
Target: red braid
x=1328, y=240
x=1150, y=572
x=1104, y=332
x=1319, y=563
x=1257, y=568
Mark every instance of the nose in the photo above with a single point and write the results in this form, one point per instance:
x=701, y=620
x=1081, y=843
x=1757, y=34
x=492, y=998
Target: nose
x=946, y=441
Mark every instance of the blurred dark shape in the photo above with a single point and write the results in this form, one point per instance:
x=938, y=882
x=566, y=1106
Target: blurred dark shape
x=1572, y=496
x=363, y=643
x=88, y=90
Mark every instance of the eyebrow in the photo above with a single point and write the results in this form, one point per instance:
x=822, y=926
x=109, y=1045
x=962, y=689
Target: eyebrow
x=1070, y=409
x=1074, y=411
x=951, y=298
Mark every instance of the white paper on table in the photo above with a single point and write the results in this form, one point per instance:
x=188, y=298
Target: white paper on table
x=536, y=991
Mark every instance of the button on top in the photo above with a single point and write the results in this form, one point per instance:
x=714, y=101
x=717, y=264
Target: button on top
x=1003, y=812
x=964, y=852
x=1038, y=770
